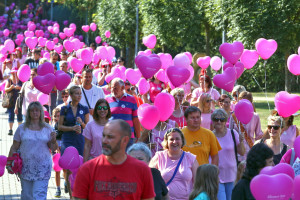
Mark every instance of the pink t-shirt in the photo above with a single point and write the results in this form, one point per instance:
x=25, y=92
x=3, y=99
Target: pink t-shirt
x=187, y=88
x=227, y=160
x=93, y=132
x=154, y=90
x=215, y=95
x=179, y=120
x=252, y=128
x=288, y=137
x=182, y=184
x=205, y=120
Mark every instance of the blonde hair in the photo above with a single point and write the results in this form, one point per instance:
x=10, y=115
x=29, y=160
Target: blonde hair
x=171, y=130
x=43, y=60
x=176, y=91
x=203, y=97
x=207, y=180
x=31, y=106
x=276, y=119
x=55, y=110
x=248, y=96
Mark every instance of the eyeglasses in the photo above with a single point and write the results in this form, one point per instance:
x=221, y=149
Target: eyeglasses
x=274, y=127
x=207, y=101
x=102, y=108
x=171, y=130
x=221, y=119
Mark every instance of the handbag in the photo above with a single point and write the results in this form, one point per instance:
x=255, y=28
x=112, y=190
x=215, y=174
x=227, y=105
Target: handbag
x=178, y=164
x=8, y=99
x=16, y=165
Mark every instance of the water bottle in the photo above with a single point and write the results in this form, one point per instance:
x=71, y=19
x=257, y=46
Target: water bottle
x=77, y=123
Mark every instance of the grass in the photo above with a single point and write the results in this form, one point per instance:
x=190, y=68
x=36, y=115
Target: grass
x=261, y=105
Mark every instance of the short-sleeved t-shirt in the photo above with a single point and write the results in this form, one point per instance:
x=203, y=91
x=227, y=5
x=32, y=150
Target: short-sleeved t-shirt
x=124, y=108
x=202, y=196
x=71, y=138
x=32, y=63
x=159, y=184
x=215, y=95
x=99, y=179
x=202, y=143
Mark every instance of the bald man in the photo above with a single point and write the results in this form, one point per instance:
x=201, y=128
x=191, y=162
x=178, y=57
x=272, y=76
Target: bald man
x=114, y=174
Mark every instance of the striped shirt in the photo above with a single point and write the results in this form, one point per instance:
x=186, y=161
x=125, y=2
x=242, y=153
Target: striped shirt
x=124, y=108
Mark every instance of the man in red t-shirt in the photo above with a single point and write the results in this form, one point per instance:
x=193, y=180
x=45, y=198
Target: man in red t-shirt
x=114, y=174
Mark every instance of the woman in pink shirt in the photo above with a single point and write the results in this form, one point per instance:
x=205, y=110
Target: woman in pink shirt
x=166, y=162
x=205, y=108
x=93, y=130
x=224, y=103
x=178, y=113
x=289, y=132
x=156, y=86
x=227, y=156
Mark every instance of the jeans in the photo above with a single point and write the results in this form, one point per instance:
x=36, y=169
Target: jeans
x=34, y=190
x=11, y=115
x=225, y=190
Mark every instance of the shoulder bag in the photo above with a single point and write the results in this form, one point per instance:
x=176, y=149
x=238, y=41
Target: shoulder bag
x=8, y=98
x=178, y=164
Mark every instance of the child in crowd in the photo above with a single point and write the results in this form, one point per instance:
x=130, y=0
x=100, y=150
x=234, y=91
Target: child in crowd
x=206, y=183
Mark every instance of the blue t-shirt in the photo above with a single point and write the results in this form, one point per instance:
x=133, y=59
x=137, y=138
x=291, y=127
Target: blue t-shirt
x=202, y=196
x=71, y=138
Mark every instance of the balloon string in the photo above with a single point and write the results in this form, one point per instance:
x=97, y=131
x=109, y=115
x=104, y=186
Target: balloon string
x=266, y=83
x=261, y=89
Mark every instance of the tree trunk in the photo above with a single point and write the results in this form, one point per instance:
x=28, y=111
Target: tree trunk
x=207, y=44
x=130, y=61
x=287, y=82
x=123, y=52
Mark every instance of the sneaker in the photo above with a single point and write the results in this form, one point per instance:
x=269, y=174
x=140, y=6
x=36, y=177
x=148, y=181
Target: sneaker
x=10, y=132
x=66, y=188
x=58, y=193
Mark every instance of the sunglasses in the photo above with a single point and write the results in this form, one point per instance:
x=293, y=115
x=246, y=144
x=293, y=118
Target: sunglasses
x=207, y=101
x=171, y=130
x=221, y=119
x=274, y=127
x=102, y=107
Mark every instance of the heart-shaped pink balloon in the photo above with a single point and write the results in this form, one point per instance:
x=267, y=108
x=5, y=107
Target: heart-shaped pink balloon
x=56, y=30
x=69, y=32
x=29, y=34
x=181, y=60
x=279, y=186
x=143, y=86
x=293, y=64
x=45, y=83
x=9, y=44
x=18, y=42
x=107, y=34
x=162, y=75
x=85, y=28
x=50, y=45
x=76, y=44
x=86, y=56
x=24, y=73
x=148, y=65
x=58, y=48
x=244, y=111
x=166, y=60
x=96, y=58
x=190, y=56
x=70, y=159
x=50, y=29
x=109, y=77
x=165, y=103
x=132, y=76
x=98, y=39
x=3, y=160
x=226, y=80
x=177, y=75
x=68, y=45
x=286, y=104
x=265, y=48
x=149, y=41
x=192, y=73
x=31, y=42
x=216, y=63
x=93, y=26
x=42, y=41
x=281, y=168
x=76, y=64
x=55, y=40
x=203, y=62
x=232, y=52
x=20, y=36
x=238, y=67
x=110, y=52
x=62, y=80
x=148, y=116
x=62, y=36
x=46, y=55
x=249, y=58
x=45, y=68
x=6, y=32
x=116, y=72
x=147, y=52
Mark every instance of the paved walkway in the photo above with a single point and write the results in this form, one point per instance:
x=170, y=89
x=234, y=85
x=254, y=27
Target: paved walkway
x=10, y=187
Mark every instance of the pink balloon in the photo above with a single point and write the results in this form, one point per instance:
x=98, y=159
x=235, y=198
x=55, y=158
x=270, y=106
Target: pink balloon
x=244, y=111
x=148, y=115
x=45, y=83
x=286, y=104
x=296, y=188
x=238, y=67
x=46, y=55
x=62, y=36
x=96, y=58
x=28, y=34
x=31, y=42
x=70, y=159
x=226, y=80
x=110, y=52
x=2, y=85
x=62, y=80
x=58, y=48
x=56, y=30
x=162, y=75
x=132, y=76
x=69, y=32
x=189, y=55
x=55, y=40
x=293, y=64
x=85, y=28
x=109, y=77
x=203, y=62
x=165, y=104
x=43, y=98
x=18, y=42
x=265, y=48
x=50, y=29
x=281, y=168
x=93, y=26
x=76, y=44
x=72, y=25
x=107, y=34
x=6, y=32
x=148, y=65
x=24, y=73
x=279, y=186
x=55, y=160
x=3, y=160
x=177, y=75
x=232, y=52
x=149, y=41
x=216, y=63
x=69, y=46
x=147, y=52
x=20, y=36
x=42, y=41
x=116, y=72
x=191, y=69
x=50, y=45
x=98, y=39
x=45, y=68
x=32, y=27
x=86, y=56
x=249, y=58
x=181, y=60
x=297, y=146
x=10, y=45
x=143, y=86
x=166, y=60
x=103, y=52
x=76, y=64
